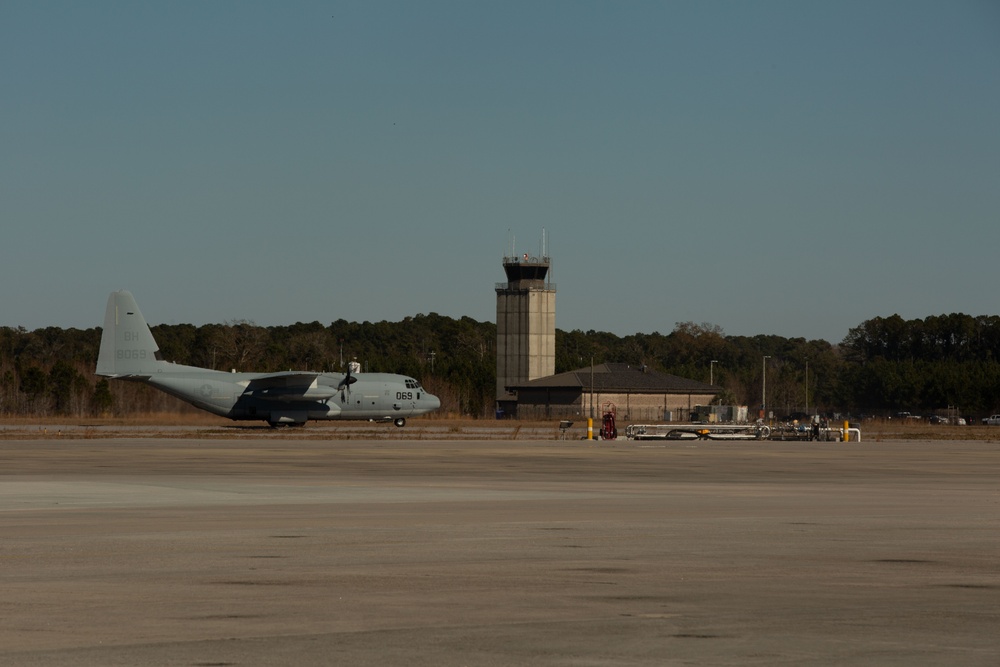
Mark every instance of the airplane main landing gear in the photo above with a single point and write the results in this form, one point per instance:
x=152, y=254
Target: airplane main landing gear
x=400, y=422
x=279, y=424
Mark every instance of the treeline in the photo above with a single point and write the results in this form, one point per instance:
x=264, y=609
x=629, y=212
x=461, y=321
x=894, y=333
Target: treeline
x=883, y=365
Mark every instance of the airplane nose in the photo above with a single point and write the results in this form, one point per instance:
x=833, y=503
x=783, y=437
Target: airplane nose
x=434, y=401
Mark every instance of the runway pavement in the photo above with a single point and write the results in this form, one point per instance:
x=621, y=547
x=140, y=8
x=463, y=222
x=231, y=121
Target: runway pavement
x=290, y=552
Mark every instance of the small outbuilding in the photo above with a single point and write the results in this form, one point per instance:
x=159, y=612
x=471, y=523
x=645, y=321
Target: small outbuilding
x=637, y=393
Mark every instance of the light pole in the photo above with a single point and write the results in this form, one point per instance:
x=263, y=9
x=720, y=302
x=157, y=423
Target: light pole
x=807, y=387
x=711, y=368
x=591, y=387
x=763, y=387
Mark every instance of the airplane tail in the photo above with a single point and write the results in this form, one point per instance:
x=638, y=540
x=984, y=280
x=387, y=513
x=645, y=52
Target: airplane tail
x=127, y=344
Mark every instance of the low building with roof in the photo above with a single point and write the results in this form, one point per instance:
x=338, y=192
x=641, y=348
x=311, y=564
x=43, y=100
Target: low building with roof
x=637, y=393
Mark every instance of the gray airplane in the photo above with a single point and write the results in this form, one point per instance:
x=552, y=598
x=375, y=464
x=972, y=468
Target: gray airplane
x=129, y=352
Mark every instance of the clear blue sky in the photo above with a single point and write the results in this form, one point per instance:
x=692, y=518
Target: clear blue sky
x=789, y=168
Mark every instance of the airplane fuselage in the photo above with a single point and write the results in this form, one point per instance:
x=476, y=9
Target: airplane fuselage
x=241, y=396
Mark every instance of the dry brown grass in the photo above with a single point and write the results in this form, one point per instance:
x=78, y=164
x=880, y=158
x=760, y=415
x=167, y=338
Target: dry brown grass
x=204, y=425
x=878, y=429
x=139, y=419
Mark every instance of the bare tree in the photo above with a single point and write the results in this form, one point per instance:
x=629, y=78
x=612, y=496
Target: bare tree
x=239, y=342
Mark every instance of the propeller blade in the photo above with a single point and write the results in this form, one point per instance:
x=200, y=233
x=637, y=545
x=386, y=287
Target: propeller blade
x=345, y=384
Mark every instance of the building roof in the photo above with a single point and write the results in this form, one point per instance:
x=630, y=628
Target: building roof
x=621, y=378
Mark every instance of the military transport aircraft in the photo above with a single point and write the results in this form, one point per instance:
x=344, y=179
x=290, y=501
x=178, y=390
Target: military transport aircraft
x=129, y=352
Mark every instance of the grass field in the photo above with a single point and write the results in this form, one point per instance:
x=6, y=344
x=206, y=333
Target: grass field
x=204, y=425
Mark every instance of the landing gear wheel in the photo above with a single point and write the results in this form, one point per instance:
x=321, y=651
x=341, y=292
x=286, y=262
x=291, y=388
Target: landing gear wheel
x=399, y=422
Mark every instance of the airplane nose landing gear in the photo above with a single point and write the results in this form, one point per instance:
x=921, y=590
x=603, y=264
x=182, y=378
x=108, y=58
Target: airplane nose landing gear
x=400, y=422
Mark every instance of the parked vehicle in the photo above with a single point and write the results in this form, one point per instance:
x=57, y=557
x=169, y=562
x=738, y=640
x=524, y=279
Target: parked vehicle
x=992, y=420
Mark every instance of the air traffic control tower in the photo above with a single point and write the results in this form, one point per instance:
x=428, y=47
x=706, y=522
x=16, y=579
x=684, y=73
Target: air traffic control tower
x=526, y=326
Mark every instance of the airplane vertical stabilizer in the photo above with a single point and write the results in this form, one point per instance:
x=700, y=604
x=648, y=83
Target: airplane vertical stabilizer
x=127, y=344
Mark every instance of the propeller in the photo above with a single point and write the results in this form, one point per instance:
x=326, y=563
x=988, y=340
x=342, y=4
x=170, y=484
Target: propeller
x=345, y=385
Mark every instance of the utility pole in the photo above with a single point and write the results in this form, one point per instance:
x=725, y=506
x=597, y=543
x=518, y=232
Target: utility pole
x=592, y=387
x=807, y=387
x=763, y=387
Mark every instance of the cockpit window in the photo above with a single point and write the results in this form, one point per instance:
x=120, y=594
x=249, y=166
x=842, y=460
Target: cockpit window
x=412, y=384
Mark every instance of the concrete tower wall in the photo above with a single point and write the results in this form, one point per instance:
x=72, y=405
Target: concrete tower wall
x=541, y=333
x=526, y=337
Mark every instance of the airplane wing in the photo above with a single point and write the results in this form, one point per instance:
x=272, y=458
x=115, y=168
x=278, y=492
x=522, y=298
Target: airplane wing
x=289, y=386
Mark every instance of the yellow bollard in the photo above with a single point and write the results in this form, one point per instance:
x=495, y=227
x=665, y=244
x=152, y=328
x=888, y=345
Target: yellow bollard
x=847, y=431
x=590, y=428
